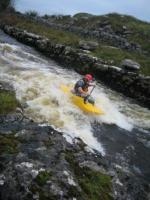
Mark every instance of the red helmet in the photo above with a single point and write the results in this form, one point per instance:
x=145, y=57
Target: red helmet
x=88, y=77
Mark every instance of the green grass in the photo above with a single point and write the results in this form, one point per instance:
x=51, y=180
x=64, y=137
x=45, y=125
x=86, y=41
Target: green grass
x=8, y=144
x=8, y=102
x=140, y=29
x=140, y=34
x=38, y=187
x=95, y=185
x=56, y=36
x=103, y=52
x=117, y=55
x=42, y=178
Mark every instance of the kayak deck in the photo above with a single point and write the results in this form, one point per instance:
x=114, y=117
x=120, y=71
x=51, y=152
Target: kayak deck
x=79, y=101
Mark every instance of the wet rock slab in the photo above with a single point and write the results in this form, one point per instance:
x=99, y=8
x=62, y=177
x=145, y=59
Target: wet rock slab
x=37, y=162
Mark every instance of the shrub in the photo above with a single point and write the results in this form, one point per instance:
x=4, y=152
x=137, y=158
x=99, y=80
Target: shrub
x=31, y=13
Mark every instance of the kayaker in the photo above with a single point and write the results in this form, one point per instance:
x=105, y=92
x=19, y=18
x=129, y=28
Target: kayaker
x=81, y=88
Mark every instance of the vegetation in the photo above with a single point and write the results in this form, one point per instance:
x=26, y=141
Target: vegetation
x=8, y=144
x=116, y=55
x=8, y=102
x=43, y=177
x=83, y=15
x=55, y=36
x=140, y=30
x=94, y=185
x=5, y=4
x=43, y=195
x=139, y=33
x=31, y=13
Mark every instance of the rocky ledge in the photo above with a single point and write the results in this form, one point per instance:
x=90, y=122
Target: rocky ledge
x=104, y=33
x=127, y=82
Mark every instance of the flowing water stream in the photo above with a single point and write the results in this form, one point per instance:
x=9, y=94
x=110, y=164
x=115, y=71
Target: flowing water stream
x=37, y=81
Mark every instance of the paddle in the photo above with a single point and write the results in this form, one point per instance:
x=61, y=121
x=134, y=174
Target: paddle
x=87, y=97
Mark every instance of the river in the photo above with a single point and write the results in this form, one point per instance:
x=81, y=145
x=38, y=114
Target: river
x=122, y=133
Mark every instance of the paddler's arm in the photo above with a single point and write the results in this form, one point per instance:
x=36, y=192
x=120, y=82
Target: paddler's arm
x=82, y=91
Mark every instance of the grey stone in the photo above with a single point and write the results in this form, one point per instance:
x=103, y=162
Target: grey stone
x=88, y=45
x=130, y=65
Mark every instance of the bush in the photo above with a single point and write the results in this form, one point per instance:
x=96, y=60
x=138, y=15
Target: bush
x=5, y=4
x=31, y=13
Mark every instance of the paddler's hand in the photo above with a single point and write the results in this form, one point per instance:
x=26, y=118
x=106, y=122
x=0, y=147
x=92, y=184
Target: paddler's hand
x=92, y=84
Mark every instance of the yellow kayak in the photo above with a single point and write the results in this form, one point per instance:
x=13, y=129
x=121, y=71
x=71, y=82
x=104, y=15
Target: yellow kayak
x=79, y=101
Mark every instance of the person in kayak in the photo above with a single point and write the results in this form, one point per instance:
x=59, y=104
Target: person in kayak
x=81, y=88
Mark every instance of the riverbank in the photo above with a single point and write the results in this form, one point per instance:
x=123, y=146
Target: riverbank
x=129, y=83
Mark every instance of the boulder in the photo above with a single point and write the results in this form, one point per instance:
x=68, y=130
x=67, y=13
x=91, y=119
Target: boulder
x=130, y=65
x=88, y=45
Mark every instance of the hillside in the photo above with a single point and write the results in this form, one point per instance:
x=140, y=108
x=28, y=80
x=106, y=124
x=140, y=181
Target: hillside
x=113, y=37
x=128, y=27
x=129, y=36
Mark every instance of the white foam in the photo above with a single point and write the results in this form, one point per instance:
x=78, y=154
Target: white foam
x=37, y=83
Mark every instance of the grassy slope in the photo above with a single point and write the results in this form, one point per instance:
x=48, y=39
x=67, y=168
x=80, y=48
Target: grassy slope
x=55, y=36
x=140, y=29
x=140, y=34
x=117, y=55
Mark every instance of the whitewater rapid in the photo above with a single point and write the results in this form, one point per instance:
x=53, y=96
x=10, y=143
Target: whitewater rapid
x=37, y=81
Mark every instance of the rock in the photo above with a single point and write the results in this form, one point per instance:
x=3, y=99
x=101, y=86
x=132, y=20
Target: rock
x=103, y=32
x=5, y=86
x=2, y=179
x=33, y=167
x=93, y=166
x=104, y=23
x=45, y=164
x=41, y=44
x=88, y=45
x=129, y=64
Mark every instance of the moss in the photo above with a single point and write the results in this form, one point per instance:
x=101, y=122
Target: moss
x=94, y=185
x=43, y=195
x=74, y=192
x=8, y=102
x=42, y=178
x=8, y=144
x=48, y=143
